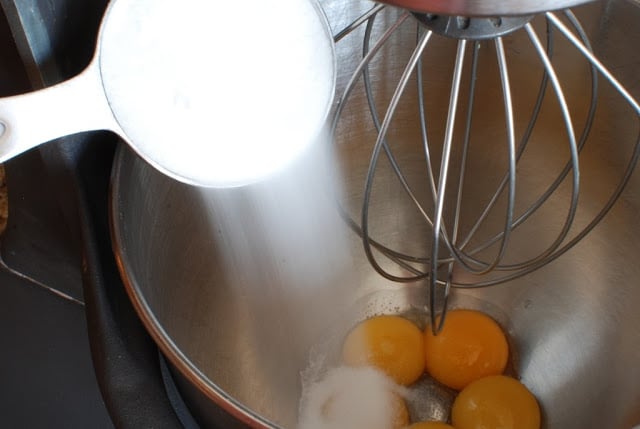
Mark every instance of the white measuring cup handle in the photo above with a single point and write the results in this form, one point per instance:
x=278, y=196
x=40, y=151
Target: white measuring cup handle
x=76, y=105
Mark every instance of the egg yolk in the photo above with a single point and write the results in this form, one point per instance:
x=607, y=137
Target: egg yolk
x=496, y=402
x=470, y=346
x=430, y=425
x=390, y=343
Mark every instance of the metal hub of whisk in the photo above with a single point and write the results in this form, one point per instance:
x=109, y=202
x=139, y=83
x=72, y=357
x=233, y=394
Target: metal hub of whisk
x=454, y=257
x=484, y=7
x=479, y=28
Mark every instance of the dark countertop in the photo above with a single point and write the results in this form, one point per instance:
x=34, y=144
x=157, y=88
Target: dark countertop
x=47, y=374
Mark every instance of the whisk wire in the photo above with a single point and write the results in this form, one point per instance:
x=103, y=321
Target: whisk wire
x=423, y=121
x=358, y=22
x=560, y=178
x=511, y=173
x=467, y=138
x=573, y=147
x=521, y=147
x=380, y=145
x=442, y=185
x=369, y=54
x=511, y=143
x=421, y=45
x=588, y=54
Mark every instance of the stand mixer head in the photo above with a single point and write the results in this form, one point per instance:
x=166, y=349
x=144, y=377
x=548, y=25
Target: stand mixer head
x=467, y=255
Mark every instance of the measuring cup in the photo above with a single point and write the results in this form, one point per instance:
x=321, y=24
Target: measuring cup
x=204, y=92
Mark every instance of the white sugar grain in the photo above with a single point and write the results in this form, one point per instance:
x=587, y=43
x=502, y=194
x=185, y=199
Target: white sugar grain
x=350, y=398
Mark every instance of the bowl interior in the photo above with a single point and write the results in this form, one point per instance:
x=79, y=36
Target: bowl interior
x=238, y=285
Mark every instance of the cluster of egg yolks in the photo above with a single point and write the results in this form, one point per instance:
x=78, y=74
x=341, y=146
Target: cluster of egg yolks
x=496, y=402
x=470, y=346
x=430, y=425
x=469, y=354
x=392, y=344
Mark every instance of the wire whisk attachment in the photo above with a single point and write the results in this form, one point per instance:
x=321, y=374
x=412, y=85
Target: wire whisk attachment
x=469, y=239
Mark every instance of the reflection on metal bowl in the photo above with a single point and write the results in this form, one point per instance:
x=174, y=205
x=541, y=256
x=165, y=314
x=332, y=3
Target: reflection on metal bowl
x=239, y=330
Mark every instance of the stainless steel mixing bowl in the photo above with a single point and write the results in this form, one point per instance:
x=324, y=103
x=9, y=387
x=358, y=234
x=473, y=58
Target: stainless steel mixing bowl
x=235, y=302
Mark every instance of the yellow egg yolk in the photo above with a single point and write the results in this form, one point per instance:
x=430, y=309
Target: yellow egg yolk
x=392, y=344
x=498, y=402
x=470, y=346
